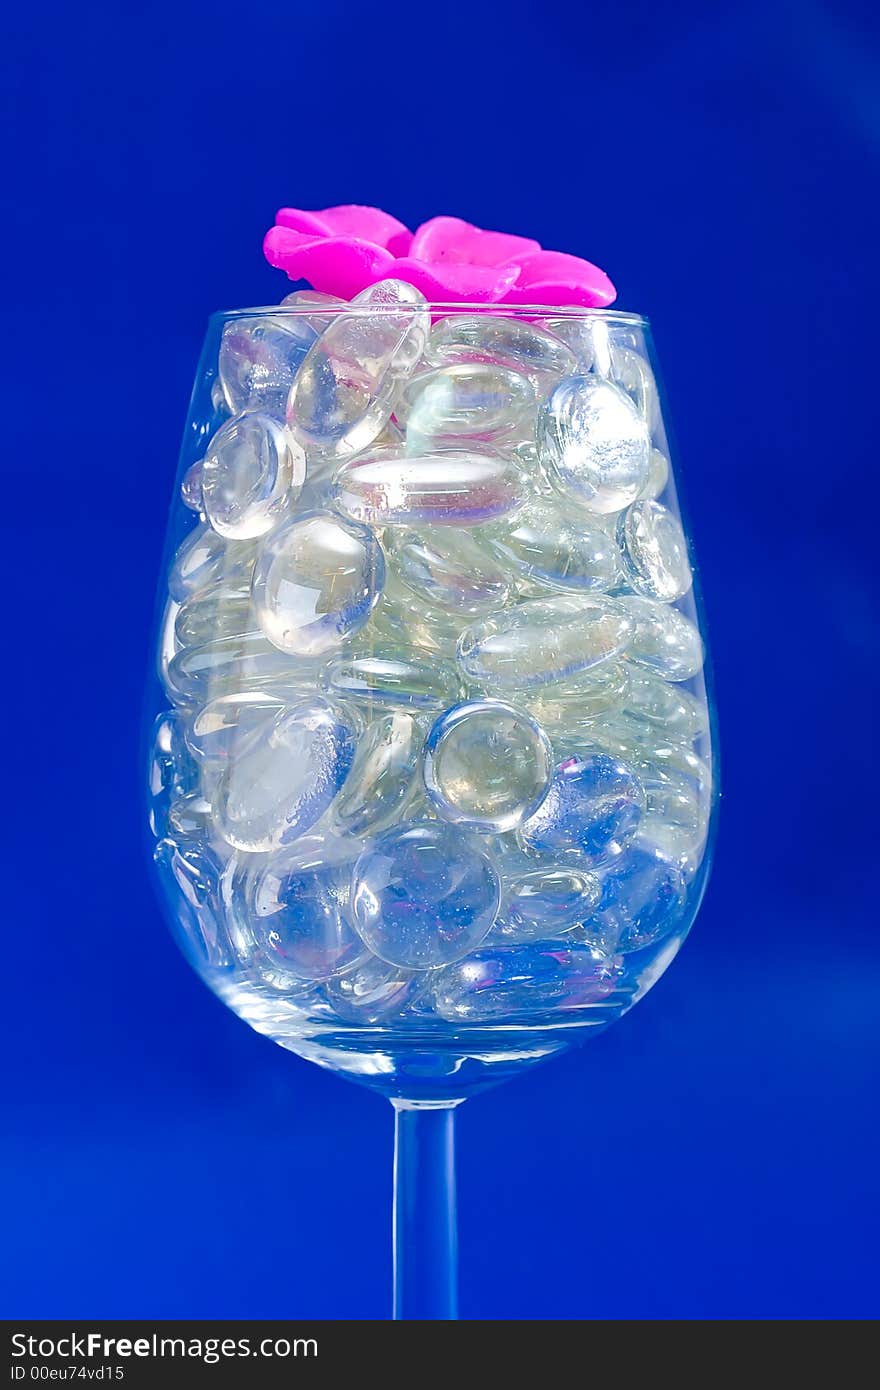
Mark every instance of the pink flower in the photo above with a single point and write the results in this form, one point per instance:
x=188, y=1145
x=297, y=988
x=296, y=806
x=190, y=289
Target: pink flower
x=342, y=250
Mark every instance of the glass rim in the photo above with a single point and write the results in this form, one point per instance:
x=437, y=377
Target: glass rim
x=513, y=311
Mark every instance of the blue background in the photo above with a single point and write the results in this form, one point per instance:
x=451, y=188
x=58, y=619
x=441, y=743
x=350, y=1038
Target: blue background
x=716, y=1154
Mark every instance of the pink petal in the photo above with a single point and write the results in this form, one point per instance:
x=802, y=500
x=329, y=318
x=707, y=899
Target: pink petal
x=453, y=283
x=350, y=220
x=451, y=239
x=552, y=277
x=335, y=265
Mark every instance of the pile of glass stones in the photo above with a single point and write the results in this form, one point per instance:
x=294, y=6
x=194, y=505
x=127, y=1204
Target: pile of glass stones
x=437, y=750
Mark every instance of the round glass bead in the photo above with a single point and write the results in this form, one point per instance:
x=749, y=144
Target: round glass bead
x=654, y=551
x=487, y=765
x=423, y=895
x=316, y=582
x=595, y=443
x=544, y=640
x=252, y=472
x=592, y=809
x=283, y=782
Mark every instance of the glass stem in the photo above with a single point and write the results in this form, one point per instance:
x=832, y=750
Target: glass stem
x=425, y=1235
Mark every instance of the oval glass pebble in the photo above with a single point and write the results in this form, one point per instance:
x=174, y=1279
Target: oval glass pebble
x=295, y=909
x=487, y=765
x=207, y=558
x=316, y=582
x=654, y=551
x=595, y=443
x=252, y=472
x=510, y=982
x=511, y=343
x=658, y=475
x=372, y=991
x=544, y=640
x=189, y=876
x=230, y=664
x=450, y=568
x=191, y=487
x=227, y=725
x=633, y=374
x=644, y=898
x=171, y=773
x=568, y=706
x=345, y=390
x=318, y=309
x=672, y=709
x=423, y=895
x=389, y=680
x=454, y=487
x=284, y=781
x=474, y=400
x=382, y=775
x=558, y=550
x=402, y=621
x=214, y=612
x=664, y=641
x=592, y=809
x=259, y=359
x=546, y=902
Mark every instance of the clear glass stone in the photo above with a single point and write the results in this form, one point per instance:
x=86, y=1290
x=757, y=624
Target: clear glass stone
x=592, y=810
x=487, y=765
x=295, y=910
x=654, y=551
x=558, y=550
x=644, y=897
x=216, y=611
x=454, y=487
x=595, y=443
x=231, y=664
x=510, y=982
x=389, y=680
x=674, y=710
x=321, y=307
x=346, y=389
x=189, y=876
x=472, y=400
x=571, y=705
x=316, y=582
x=544, y=903
x=401, y=621
x=544, y=640
x=664, y=641
x=253, y=471
x=226, y=726
x=171, y=772
x=423, y=895
x=206, y=558
x=373, y=991
x=450, y=569
x=658, y=475
x=283, y=783
x=382, y=777
x=511, y=343
x=191, y=487
x=259, y=359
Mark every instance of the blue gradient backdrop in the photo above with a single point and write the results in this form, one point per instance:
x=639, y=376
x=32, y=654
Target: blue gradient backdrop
x=714, y=1155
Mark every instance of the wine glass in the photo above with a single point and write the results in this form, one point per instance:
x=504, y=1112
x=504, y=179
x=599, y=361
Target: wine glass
x=431, y=768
